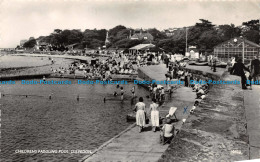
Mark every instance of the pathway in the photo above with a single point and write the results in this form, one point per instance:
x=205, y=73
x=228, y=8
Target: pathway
x=133, y=146
x=252, y=106
x=156, y=72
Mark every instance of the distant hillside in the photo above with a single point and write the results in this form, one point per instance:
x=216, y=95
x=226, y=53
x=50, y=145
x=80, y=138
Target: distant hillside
x=203, y=34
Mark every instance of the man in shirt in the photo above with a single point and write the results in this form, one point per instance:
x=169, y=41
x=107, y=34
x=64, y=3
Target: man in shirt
x=255, y=66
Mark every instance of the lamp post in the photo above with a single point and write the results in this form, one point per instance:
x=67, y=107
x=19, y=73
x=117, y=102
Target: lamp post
x=186, y=41
x=243, y=49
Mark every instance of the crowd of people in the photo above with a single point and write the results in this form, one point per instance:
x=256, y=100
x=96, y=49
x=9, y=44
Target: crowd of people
x=120, y=63
x=117, y=63
x=177, y=72
x=158, y=95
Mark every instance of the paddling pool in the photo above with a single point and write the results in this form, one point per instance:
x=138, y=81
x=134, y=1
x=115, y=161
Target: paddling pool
x=32, y=121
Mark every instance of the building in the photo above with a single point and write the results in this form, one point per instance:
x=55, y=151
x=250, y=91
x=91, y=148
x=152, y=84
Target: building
x=141, y=35
x=170, y=31
x=192, y=52
x=140, y=48
x=234, y=48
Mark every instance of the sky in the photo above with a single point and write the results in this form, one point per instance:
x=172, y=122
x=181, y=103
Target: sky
x=21, y=19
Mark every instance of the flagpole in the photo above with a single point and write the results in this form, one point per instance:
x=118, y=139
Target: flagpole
x=186, y=41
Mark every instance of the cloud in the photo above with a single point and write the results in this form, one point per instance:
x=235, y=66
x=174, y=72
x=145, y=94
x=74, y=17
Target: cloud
x=23, y=19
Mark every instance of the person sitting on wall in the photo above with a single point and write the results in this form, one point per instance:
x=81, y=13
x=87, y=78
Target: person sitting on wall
x=255, y=68
x=200, y=93
x=167, y=132
x=115, y=94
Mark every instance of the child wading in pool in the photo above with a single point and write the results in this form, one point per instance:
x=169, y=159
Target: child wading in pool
x=133, y=91
x=122, y=93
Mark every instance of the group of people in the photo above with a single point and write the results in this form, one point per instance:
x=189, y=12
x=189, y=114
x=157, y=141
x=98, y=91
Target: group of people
x=141, y=114
x=167, y=129
x=122, y=92
x=241, y=70
x=157, y=92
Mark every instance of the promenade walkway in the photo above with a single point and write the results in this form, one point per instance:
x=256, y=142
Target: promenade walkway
x=219, y=128
x=133, y=146
x=156, y=72
x=252, y=106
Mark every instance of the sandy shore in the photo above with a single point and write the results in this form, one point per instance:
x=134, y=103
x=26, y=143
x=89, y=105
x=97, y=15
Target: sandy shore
x=60, y=61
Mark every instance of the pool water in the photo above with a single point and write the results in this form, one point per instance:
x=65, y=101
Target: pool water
x=12, y=61
x=36, y=122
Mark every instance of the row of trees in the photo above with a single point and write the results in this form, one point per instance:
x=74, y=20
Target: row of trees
x=203, y=34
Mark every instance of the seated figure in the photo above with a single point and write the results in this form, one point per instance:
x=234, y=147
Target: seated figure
x=167, y=132
x=200, y=93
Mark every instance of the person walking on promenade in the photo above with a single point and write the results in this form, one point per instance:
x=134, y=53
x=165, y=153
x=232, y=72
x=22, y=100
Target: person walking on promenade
x=214, y=64
x=255, y=68
x=162, y=94
x=167, y=61
x=140, y=114
x=151, y=89
x=122, y=93
x=186, y=78
x=238, y=69
x=154, y=108
x=133, y=91
x=155, y=91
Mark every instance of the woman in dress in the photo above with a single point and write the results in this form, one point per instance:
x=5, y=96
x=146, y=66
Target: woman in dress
x=154, y=108
x=140, y=114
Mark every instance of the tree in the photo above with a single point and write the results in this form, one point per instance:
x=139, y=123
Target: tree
x=208, y=40
x=117, y=33
x=127, y=43
x=115, y=30
x=252, y=32
x=205, y=24
x=157, y=34
x=30, y=44
x=252, y=24
x=252, y=35
x=31, y=38
x=57, y=31
x=228, y=31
